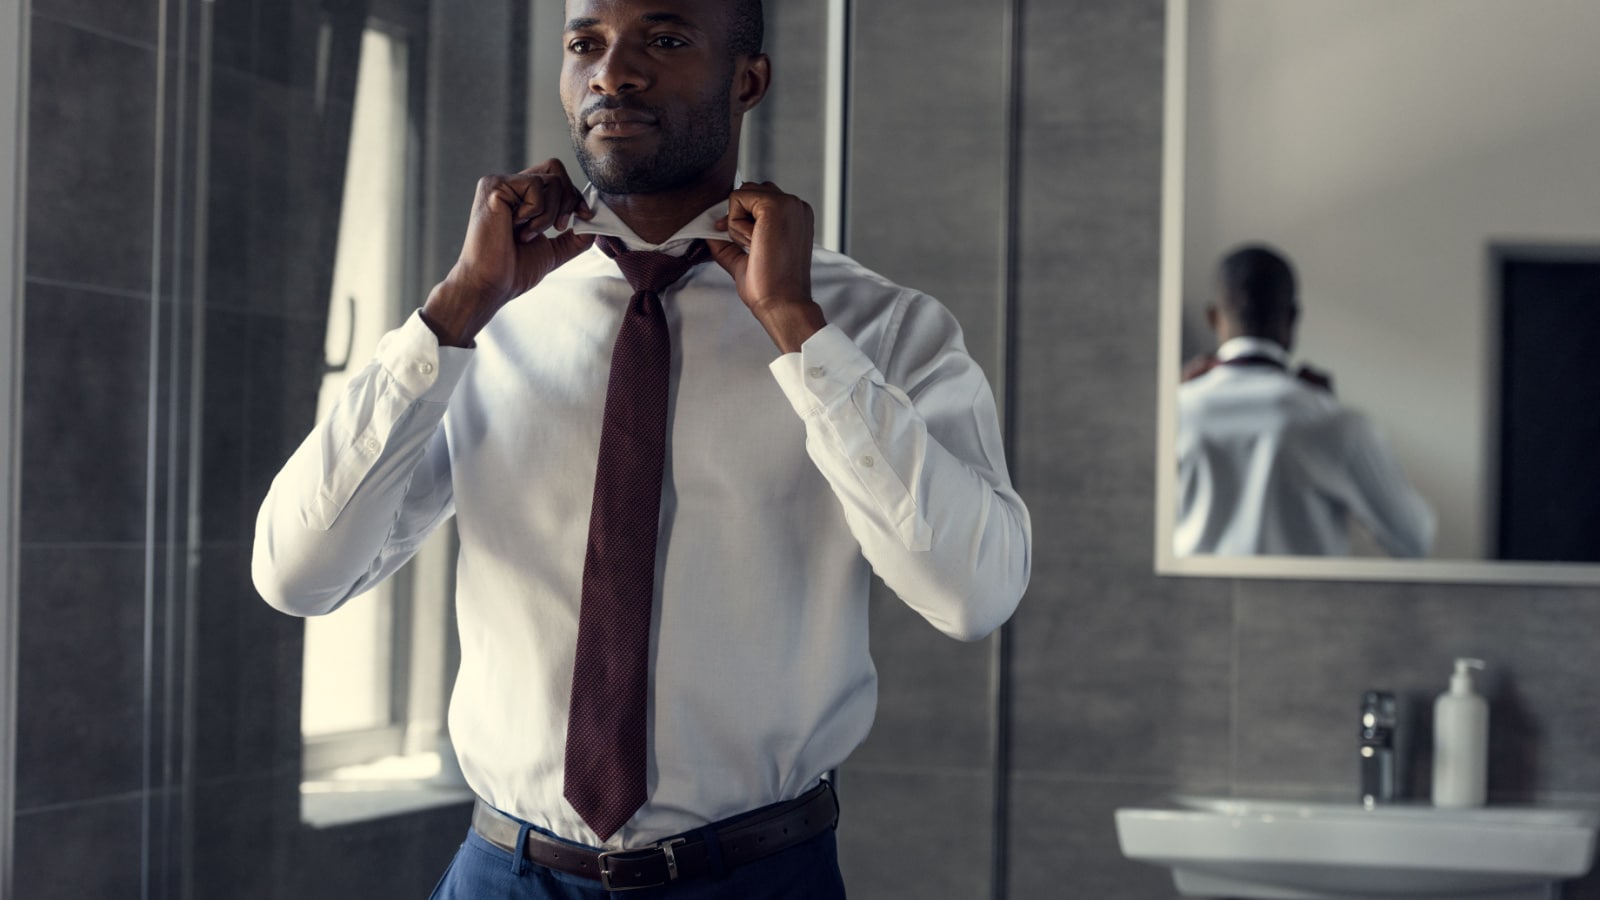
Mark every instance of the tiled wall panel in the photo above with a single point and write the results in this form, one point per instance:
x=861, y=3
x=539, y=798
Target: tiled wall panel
x=925, y=169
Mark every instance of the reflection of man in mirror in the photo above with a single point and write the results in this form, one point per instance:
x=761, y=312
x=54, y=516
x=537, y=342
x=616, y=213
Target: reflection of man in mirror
x=1269, y=462
x=677, y=439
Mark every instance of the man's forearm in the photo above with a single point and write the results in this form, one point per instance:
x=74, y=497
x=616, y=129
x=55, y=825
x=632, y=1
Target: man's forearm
x=790, y=325
x=922, y=485
x=454, y=314
x=374, y=474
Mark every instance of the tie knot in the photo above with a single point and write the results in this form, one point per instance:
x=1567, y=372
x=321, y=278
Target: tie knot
x=649, y=270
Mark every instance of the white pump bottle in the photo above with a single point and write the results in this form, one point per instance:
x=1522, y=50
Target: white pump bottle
x=1460, y=741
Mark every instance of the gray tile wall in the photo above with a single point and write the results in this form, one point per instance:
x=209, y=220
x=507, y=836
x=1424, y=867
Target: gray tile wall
x=82, y=618
x=102, y=669
x=1128, y=686
x=926, y=199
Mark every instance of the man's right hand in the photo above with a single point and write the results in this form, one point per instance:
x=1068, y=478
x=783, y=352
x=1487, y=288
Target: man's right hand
x=1197, y=366
x=506, y=251
x=1317, y=378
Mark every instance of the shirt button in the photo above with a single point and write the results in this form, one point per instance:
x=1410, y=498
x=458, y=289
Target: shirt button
x=816, y=371
x=370, y=445
x=425, y=368
x=867, y=461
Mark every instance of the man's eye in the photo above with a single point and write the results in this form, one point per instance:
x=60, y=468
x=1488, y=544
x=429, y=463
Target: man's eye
x=580, y=45
x=668, y=41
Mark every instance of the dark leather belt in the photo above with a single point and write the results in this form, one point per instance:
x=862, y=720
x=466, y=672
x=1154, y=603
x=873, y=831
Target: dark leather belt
x=742, y=839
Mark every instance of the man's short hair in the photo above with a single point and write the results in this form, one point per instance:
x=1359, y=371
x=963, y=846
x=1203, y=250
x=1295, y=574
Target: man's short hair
x=746, y=27
x=1258, y=288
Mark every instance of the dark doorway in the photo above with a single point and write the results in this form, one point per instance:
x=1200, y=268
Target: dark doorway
x=1549, y=498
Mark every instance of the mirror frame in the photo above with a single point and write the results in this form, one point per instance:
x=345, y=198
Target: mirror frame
x=1299, y=568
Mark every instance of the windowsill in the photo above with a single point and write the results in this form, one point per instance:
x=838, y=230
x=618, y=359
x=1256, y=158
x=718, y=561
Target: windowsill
x=331, y=809
x=389, y=787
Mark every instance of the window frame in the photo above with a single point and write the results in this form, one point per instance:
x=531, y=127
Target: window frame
x=405, y=20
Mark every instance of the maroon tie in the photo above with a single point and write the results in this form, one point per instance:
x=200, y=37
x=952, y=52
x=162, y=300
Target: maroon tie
x=605, y=765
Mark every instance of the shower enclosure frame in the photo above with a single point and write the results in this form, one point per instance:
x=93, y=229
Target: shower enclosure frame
x=13, y=125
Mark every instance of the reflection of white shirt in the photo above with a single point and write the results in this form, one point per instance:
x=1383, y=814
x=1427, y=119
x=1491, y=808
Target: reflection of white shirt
x=790, y=479
x=1269, y=465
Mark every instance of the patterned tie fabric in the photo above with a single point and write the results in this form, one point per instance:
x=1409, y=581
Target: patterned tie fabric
x=605, y=759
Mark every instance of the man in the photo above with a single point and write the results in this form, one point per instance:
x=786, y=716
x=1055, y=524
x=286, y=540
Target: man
x=809, y=423
x=1269, y=462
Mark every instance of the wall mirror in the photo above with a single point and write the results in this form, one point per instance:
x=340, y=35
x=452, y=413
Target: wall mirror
x=1427, y=166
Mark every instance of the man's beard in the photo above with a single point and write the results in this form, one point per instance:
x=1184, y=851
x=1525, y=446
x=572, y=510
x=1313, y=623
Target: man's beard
x=687, y=148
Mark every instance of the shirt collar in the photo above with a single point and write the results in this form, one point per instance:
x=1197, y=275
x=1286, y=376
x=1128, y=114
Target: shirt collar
x=1253, y=346
x=607, y=222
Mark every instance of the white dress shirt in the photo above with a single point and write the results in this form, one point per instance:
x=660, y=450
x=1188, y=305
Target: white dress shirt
x=875, y=448
x=1269, y=465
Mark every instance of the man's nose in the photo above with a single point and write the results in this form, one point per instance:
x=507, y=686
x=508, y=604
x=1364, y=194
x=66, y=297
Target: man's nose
x=619, y=71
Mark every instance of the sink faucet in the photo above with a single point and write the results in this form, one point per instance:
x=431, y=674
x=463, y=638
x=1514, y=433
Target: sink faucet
x=1379, y=722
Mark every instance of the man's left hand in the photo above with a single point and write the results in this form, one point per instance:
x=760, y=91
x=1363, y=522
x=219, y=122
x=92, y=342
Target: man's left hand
x=768, y=253
x=1317, y=378
x=1197, y=366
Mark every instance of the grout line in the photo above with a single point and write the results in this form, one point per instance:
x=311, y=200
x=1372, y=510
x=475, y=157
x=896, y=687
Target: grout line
x=1089, y=778
x=1005, y=402
x=1233, y=682
x=279, y=774
x=219, y=545
x=308, y=318
x=80, y=545
x=103, y=800
x=109, y=35
x=88, y=288
x=152, y=448
x=868, y=768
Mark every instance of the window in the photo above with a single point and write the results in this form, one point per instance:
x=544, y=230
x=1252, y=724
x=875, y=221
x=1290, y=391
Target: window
x=375, y=670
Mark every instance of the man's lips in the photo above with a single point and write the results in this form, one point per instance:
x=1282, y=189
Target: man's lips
x=619, y=122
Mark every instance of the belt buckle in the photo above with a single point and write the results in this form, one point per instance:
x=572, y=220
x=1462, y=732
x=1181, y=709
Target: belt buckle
x=639, y=854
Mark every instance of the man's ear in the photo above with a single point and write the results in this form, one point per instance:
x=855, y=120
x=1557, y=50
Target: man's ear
x=752, y=76
x=1211, y=316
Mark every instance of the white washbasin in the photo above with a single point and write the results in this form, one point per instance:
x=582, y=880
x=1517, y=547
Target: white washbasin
x=1293, y=850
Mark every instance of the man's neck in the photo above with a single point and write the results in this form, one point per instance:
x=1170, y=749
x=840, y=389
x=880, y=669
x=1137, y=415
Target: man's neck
x=1226, y=332
x=656, y=217
x=1251, y=346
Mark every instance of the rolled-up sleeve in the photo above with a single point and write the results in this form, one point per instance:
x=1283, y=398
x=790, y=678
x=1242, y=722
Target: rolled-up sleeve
x=372, y=480
x=913, y=451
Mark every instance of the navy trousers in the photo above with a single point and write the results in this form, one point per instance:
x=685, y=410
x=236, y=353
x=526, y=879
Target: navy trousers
x=482, y=871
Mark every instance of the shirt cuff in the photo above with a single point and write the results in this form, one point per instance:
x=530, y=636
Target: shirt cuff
x=824, y=371
x=424, y=370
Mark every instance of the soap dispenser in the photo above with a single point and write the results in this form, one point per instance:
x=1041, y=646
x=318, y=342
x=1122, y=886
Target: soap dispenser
x=1460, y=741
